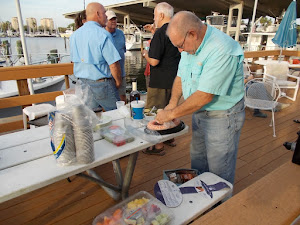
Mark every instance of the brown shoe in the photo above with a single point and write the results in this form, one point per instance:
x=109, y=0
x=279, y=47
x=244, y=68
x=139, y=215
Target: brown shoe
x=154, y=151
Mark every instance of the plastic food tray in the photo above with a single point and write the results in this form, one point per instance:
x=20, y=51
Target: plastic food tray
x=116, y=135
x=139, y=209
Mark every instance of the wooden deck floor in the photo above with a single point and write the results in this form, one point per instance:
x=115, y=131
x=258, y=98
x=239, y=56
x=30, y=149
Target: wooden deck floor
x=80, y=201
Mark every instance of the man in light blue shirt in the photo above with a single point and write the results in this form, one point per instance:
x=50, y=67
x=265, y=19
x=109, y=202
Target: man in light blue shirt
x=119, y=41
x=210, y=79
x=96, y=59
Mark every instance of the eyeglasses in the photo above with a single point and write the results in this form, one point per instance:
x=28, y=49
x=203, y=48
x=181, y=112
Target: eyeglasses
x=182, y=45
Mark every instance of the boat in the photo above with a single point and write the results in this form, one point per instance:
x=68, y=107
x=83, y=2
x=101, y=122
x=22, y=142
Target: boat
x=67, y=33
x=134, y=38
x=44, y=84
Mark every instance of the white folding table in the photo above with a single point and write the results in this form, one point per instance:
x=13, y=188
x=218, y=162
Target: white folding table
x=194, y=205
x=27, y=162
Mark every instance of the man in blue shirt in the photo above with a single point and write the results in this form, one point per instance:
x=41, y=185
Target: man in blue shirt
x=95, y=58
x=119, y=41
x=210, y=79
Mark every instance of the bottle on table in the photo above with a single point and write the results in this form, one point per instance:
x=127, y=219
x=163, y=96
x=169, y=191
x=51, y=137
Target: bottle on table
x=134, y=95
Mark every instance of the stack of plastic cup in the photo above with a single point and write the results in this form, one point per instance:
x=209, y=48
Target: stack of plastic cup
x=83, y=135
x=63, y=138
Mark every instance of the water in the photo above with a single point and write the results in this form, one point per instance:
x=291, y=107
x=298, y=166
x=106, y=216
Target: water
x=39, y=47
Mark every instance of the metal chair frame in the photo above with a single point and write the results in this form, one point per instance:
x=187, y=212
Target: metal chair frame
x=263, y=94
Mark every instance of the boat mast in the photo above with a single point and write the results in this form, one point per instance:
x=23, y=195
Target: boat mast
x=24, y=46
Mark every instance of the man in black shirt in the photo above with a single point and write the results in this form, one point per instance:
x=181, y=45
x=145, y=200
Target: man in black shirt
x=163, y=58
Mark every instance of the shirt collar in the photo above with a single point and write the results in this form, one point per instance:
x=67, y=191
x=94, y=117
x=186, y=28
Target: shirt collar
x=92, y=22
x=207, y=34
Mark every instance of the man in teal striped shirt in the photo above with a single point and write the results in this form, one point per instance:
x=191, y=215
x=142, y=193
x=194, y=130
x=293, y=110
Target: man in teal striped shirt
x=210, y=79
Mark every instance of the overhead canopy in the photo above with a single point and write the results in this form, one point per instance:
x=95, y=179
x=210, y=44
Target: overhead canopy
x=141, y=11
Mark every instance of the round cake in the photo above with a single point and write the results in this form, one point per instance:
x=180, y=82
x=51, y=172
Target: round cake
x=154, y=125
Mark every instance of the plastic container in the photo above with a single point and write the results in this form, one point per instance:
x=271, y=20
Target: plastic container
x=149, y=116
x=116, y=135
x=180, y=176
x=140, y=209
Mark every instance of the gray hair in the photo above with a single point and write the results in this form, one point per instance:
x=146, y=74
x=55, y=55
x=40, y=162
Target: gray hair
x=165, y=8
x=184, y=21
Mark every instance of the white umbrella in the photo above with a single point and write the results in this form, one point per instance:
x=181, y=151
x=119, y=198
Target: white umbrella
x=24, y=46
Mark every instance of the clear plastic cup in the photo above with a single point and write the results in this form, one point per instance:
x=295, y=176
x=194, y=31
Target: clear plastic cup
x=119, y=104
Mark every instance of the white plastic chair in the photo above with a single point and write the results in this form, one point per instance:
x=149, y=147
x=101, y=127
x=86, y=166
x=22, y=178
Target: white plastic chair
x=279, y=72
x=36, y=111
x=262, y=94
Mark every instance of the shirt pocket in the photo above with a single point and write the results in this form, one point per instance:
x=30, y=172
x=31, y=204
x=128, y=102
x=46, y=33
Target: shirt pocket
x=195, y=77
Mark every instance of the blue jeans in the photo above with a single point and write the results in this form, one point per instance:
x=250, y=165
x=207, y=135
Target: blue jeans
x=104, y=93
x=215, y=140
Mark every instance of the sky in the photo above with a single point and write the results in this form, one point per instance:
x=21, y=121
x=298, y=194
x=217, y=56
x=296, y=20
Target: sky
x=47, y=9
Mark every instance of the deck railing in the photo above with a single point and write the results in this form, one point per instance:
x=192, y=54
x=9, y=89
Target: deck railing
x=274, y=54
x=22, y=73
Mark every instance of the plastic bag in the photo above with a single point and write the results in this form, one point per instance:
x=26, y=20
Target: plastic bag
x=137, y=127
x=169, y=124
x=71, y=134
x=85, y=94
x=74, y=97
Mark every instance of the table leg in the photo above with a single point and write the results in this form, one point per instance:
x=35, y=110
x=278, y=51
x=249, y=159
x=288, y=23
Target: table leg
x=113, y=191
x=128, y=174
x=118, y=172
x=121, y=191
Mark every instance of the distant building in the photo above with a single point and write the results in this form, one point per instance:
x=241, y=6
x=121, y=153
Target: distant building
x=47, y=23
x=15, y=23
x=31, y=24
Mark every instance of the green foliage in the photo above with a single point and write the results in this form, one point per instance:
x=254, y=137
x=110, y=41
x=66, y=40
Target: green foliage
x=265, y=21
x=72, y=25
x=5, y=26
x=62, y=29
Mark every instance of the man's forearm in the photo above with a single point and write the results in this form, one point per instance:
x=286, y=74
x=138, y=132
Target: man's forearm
x=115, y=70
x=193, y=103
x=176, y=92
x=151, y=61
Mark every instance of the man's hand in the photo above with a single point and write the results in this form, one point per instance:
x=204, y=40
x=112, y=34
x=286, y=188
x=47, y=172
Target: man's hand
x=164, y=116
x=144, y=53
x=149, y=27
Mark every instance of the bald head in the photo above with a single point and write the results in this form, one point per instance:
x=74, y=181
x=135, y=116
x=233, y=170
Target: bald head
x=184, y=21
x=96, y=12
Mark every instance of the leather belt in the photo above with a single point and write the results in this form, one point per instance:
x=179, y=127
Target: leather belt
x=103, y=79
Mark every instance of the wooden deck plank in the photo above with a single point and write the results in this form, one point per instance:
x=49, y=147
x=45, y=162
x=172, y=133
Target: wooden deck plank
x=80, y=201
